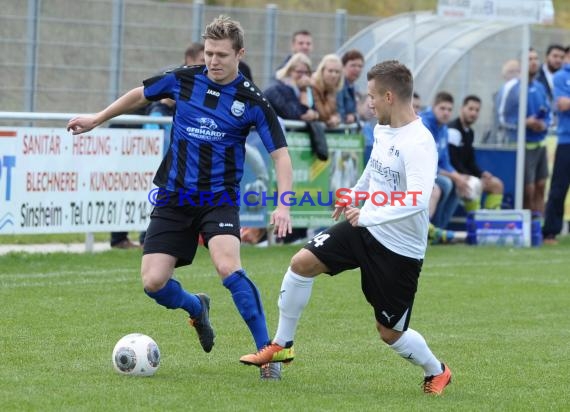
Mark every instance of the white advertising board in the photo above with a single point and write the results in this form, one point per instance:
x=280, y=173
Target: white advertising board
x=54, y=182
x=528, y=11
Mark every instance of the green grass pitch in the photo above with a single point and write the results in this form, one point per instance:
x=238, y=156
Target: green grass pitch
x=499, y=317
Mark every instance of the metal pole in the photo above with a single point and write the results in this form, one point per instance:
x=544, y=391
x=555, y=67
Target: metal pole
x=197, y=20
x=31, y=55
x=521, y=129
x=270, y=35
x=89, y=242
x=340, y=28
x=412, y=42
x=116, y=63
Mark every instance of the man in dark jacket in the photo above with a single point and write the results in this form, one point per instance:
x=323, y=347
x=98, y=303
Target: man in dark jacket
x=462, y=154
x=553, y=63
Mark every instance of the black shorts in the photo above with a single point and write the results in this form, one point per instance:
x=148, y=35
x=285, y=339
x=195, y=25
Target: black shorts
x=389, y=281
x=175, y=230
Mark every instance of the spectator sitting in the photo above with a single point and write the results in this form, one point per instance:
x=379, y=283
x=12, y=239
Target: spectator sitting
x=291, y=94
x=462, y=154
x=327, y=81
x=347, y=98
x=448, y=179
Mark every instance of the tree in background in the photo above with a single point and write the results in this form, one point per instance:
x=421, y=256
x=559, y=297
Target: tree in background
x=383, y=8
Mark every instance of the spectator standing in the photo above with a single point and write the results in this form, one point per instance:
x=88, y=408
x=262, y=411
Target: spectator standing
x=553, y=63
x=301, y=42
x=511, y=69
x=537, y=120
x=561, y=172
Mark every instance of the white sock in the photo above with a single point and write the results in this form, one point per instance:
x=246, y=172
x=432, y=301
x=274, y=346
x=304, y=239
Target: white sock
x=413, y=347
x=293, y=297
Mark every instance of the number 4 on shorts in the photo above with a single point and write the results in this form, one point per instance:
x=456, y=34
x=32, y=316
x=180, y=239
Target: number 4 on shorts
x=319, y=239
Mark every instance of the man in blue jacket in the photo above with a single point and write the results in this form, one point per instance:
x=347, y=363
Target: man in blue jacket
x=561, y=171
x=347, y=98
x=448, y=179
x=537, y=121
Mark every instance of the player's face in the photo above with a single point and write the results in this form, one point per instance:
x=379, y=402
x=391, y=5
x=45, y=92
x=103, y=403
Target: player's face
x=331, y=74
x=555, y=59
x=221, y=60
x=470, y=112
x=352, y=69
x=377, y=103
x=302, y=44
x=442, y=112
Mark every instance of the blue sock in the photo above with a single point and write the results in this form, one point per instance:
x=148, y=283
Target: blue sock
x=248, y=302
x=172, y=296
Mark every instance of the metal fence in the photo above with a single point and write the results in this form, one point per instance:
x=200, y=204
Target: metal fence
x=79, y=55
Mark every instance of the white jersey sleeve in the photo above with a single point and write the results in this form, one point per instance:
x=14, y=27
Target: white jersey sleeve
x=400, y=175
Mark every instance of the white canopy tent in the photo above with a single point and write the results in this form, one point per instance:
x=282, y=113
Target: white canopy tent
x=461, y=50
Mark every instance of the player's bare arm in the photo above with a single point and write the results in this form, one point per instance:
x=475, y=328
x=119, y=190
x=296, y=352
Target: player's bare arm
x=127, y=103
x=280, y=218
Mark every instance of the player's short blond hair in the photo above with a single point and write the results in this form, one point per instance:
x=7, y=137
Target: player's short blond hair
x=223, y=27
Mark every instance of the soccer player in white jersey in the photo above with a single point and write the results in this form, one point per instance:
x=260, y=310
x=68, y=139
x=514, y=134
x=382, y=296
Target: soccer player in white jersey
x=387, y=242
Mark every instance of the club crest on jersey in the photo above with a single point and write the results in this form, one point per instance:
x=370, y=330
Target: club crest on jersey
x=207, y=123
x=237, y=108
x=393, y=152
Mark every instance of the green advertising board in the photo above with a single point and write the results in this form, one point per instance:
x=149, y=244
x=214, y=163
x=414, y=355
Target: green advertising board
x=315, y=182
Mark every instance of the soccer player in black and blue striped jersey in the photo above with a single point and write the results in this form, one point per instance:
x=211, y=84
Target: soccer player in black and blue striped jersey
x=199, y=178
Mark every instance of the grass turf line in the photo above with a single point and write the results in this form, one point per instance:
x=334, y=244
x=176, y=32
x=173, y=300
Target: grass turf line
x=496, y=315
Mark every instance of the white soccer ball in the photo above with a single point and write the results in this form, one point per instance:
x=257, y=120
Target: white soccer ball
x=136, y=354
